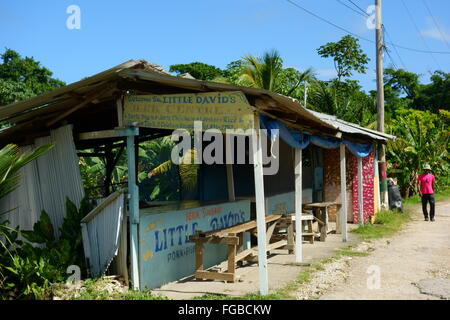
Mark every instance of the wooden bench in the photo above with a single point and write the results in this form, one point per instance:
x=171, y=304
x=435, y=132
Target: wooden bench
x=320, y=212
x=307, y=226
x=233, y=237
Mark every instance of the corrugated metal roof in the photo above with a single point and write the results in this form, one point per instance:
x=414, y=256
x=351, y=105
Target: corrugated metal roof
x=351, y=128
x=56, y=102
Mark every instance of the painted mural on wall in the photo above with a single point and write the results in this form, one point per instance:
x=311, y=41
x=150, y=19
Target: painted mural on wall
x=368, y=187
x=285, y=202
x=165, y=253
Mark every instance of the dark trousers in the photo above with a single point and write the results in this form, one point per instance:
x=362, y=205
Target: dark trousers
x=425, y=199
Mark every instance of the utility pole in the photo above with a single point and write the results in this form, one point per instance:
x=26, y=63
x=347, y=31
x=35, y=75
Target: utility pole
x=380, y=105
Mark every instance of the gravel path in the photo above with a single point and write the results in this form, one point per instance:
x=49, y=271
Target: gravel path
x=414, y=264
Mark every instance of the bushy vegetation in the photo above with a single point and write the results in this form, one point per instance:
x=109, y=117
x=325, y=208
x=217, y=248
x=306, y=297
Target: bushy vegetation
x=29, y=267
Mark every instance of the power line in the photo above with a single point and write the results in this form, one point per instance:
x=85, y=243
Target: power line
x=436, y=24
x=359, y=8
x=395, y=48
x=420, y=34
x=327, y=21
x=361, y=37
x=356, y=11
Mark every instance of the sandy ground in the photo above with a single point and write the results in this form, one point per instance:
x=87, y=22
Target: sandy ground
x=415, y=264
x=281, y=270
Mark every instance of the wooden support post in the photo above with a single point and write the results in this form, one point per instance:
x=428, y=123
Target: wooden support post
x=230, y=182
x=119, y=105
x=133, y=200
x=260, y=207
x=298, y=206
x=232, y=257
x=360, y=192
x=290, y=237
x=343, y=213
x=198, y=256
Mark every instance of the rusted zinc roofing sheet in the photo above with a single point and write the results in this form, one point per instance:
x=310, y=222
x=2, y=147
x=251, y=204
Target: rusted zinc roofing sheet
x=351, y=128
x=38, y=110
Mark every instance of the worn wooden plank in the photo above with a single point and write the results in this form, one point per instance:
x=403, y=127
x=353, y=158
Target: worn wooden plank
x=269, y=231
x=231, y=258
x=276, y=245
x=199, y=256
x=215, y=240
x=224, y=276
x=89, y=99
x=243, y=227
x=230, y=183
x=119, y=105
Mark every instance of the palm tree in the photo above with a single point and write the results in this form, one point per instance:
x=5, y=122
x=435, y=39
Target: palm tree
x=262, y=72
x=267, y=72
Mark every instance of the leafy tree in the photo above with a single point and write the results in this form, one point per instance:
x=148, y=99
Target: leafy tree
x=347, y=56
x=435, y=95
x=233, y=71
x=22, y=78
x=421, y=138
x=198, y=70
x=344, y=100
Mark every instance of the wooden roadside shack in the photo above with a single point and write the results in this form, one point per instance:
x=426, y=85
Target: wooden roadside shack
x=136, y=101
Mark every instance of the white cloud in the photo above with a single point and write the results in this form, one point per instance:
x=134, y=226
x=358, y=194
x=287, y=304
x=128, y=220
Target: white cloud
x=433, y=32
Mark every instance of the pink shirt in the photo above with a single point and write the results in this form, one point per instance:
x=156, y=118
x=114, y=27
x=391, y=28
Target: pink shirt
x=426, y=183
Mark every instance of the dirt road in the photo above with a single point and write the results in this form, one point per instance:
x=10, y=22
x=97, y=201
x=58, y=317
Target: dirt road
x=415, y=264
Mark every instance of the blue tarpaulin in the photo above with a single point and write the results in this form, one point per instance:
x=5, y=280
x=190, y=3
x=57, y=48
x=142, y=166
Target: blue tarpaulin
x=301, y=140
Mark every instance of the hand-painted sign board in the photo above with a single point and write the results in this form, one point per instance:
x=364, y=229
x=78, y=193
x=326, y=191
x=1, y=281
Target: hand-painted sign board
x=218, y=110
x=165, y=253
x=285, y=202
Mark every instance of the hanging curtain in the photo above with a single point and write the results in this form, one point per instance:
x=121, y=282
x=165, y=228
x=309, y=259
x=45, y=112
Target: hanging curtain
x=295, y=139
x=300, y=140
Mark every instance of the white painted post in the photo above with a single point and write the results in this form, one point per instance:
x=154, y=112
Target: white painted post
x=260, y=208
x=298, y=206
x=360, y=192
x=230, y=182
x=343, y=214
x=377, y=176
x=133, y=192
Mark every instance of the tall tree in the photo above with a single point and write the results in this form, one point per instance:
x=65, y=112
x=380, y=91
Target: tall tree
x=347, y=56
x=267, y=72
x=22, y=78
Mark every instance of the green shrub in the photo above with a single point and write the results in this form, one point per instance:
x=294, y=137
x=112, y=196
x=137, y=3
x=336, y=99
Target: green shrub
x=28, y=268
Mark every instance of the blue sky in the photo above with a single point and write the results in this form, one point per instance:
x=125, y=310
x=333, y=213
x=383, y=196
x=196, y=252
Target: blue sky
x=215, y=32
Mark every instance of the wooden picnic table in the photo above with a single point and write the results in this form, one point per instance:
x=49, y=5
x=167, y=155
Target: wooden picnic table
x=320, y=212
x=233, y=237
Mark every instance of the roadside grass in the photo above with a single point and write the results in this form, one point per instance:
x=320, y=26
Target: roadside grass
x=283, y=293
x=387, y=223
x=441, y=195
